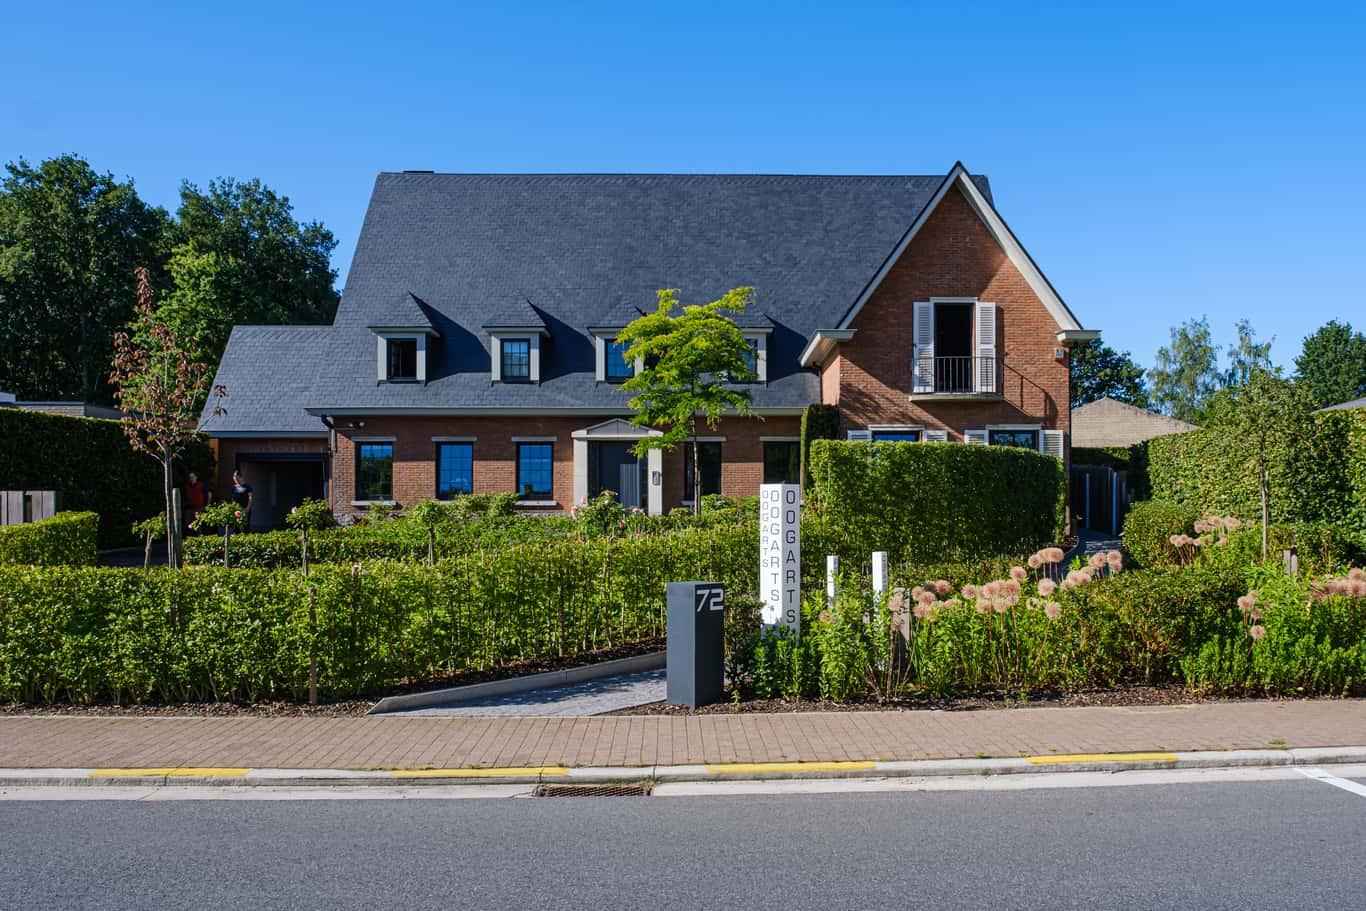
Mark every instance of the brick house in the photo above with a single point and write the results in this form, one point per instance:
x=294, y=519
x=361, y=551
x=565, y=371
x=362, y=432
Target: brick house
x=473, y=350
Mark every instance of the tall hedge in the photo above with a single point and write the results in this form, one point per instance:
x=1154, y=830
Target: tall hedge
x=90, y=465
x=66, y=539
x=819, y=422
x=930, y=502
x=209, y=633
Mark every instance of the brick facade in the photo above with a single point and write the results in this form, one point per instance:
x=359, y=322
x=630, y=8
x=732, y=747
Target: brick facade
x=228, y=452
x=953, y=255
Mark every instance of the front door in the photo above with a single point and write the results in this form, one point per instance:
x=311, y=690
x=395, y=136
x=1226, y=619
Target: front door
x=613, y=466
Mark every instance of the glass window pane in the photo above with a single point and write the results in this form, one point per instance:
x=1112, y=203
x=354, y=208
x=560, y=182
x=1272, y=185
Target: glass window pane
x=782, y=462
x=752, y=360
x=896, y=436
x=374, y=471
x=402, y=358
x=710, y=455
x=516, y=359
x=618, y=367
x=454, y=469
x=1025, y=439
x=535, y=471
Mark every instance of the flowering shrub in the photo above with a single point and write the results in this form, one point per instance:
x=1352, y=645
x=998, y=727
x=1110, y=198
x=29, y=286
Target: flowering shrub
x=605, y=517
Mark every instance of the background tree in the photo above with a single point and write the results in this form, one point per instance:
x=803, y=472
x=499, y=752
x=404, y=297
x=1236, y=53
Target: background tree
x=1246, y=356
x=1099, y=371
x=1186, y=373
x=70, y=239
x=239, y=256
x=1332, y=364
x=691, y=360
x=159, y=380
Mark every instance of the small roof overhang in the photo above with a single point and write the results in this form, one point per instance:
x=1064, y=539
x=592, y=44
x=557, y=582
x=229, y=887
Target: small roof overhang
x=821, y=344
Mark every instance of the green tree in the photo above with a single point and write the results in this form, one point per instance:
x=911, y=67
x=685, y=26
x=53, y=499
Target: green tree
x=1247, y=356
x=1332, y=364
x=1186, y=373
x=70, y=239
x=691, y=360
x=1099, y=371
x=240, y=256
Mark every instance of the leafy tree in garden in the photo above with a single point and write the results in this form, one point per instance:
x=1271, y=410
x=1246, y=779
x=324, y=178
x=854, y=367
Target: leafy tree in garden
x=1332, y=364
x=691, y=359
x=70, y=239
x=1099, y=371
x=1186, y=373
x=1247, y=356
x=310, y=515
x=159, y=380
x=239, y=256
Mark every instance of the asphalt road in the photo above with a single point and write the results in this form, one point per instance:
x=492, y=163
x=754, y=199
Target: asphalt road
x=1275, y=844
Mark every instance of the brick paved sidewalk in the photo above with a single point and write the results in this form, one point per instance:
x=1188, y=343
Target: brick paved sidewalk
x=389, y=742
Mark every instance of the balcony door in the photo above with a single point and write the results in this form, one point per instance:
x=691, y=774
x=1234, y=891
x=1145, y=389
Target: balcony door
x=953, y=347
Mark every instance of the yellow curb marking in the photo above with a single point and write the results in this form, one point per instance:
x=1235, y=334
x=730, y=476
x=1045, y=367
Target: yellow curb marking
x=176, y=772
x=519, y=772
x=747, y=767
x=1102, y=757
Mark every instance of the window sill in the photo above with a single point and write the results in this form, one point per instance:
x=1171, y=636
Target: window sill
x=374, y=502
x=402, y=380
x=539, y=504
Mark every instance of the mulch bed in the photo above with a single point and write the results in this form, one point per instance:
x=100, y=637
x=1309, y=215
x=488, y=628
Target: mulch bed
x=340, y=707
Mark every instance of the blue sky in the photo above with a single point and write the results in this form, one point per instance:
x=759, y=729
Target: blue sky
x=1159, y=161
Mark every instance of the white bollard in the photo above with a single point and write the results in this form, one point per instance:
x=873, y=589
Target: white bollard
x=832, y=574
x=879, y=572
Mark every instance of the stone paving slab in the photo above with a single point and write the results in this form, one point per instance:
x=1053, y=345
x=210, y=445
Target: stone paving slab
x=590, y=697
x=456, y=742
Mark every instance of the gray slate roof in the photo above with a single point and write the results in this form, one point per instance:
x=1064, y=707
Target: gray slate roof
x=1346, y=406
x=403, y=311
x=577, y=251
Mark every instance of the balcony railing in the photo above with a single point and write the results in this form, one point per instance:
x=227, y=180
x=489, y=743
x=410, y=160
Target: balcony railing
x=966, y=376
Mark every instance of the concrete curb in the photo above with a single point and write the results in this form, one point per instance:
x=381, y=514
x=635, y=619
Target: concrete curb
x=494, y=688
x=759, y=771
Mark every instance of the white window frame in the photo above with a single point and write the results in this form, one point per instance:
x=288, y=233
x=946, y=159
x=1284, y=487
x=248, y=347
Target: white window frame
x=382, y=355
x=600, y=339
x=875, y=429
x=533, y=339
x=1037, y=428
x=760, y=353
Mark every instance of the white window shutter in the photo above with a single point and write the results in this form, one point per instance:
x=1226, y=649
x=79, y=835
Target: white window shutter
x=860, y=435
x=1050, y=443
x=935, y=436
x=986, y=348
x=976, y=437
x=600, y=358
x=922, y=367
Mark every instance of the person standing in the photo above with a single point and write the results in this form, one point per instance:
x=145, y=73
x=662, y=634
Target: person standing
x=241, y=495
x=197, y=496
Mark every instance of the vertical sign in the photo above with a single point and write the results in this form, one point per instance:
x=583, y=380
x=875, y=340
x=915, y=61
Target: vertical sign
x=880, y=572
x=780, y=555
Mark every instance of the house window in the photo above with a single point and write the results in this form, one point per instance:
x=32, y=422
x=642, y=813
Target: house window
x=752, y=360
x=454, y=469
x=402, y=359
x=375, y=471
x=782, y=462
x=515, y=355
x=896, y=436
x=709, y=454
x=536, y=471
x=1025, y=439
x=617, y=367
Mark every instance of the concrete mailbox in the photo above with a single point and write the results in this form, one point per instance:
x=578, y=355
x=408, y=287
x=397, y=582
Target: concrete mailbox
x=696, y=652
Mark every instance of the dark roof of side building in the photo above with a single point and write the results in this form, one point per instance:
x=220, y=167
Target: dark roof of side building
x=475, y=252
x=1109, y=422
x=1346, y=406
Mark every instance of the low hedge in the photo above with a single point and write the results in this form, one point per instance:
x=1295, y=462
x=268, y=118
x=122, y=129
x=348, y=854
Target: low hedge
x=66, y=539
x=93, y=634
x=925, y=502
x=90, y=465
x=1148, y=528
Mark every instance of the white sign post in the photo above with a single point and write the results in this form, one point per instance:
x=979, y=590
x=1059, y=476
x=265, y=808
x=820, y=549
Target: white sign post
x=880, y=572
x=780, y=555
x=832, y=578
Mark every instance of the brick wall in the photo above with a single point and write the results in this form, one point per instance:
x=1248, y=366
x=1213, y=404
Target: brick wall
x=953, y=255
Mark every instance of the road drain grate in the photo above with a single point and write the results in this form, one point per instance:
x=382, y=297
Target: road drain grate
x=639, y=789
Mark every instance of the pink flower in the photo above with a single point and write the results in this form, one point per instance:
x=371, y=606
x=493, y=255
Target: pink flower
x=969, y=591
x=922, y=611
x=1052, y=610
x=926, y=598
x=1177, y=540
x=826, y=616
x=895, y=605
x=1114, y=556
x=1356, y=574
x=983, y=605
x=1012, y=587
x=1255, y=613
x=1019, y=573
x=1245, y=603
x=1097, y=561
x=917, y=592
x=1052, y=555
x=1034, y=561
x=1258, y=631
x=943, y=587
x=1232, y=523
x=1000, y=605
x=237, y=513
x=1047, y=587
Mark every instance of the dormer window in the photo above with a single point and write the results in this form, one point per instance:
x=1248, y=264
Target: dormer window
x=402, y=359
x=515, y=355
x=756, y=358
x=617, y=367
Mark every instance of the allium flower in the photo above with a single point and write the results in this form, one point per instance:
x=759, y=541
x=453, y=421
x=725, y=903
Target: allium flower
x=1232, y=523
x=1019, y=573
x=826, y=616
x=1177, y=540
x=969, y=591
x=1202, y=526
x=1053, y=555
x=1052, y=610
x=1097, y=561
x=1047, y=587
x=895, y=604
x=1356, y=574
x=1000, y=605
x=1255, y=613
x=916, y=592
x=1115, y=556
x=1357, y=589
x=1012, y=587
x=922, y=611
x=983, y=605
x=926, y=598
x=943, y=587
x=1034, y=561
x=1258, y=631
x=1245, y=603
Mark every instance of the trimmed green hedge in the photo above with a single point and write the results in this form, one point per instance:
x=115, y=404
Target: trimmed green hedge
x=819, y=422
x=90, y=465
x=1148, y=528
x=83, y=634
x=932, y=502
x=66, y=539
